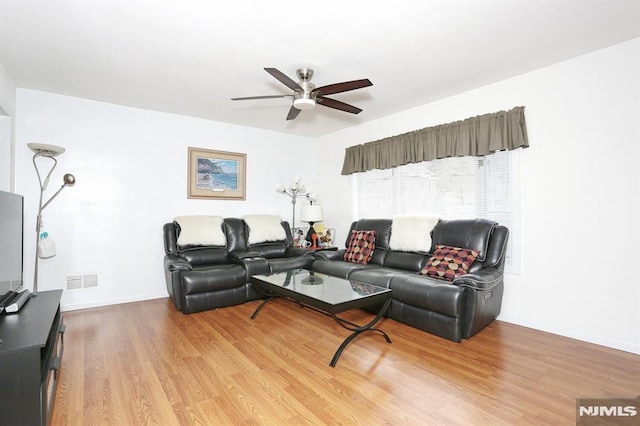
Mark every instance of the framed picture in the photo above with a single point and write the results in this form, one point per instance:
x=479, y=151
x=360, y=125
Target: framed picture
x=325, y=237
x=217, y=174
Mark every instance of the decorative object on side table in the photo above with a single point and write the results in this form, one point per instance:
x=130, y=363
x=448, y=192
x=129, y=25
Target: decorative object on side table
x=325, y=236
x=300, y=237
x=312, y=279
x=44, y=246
x=217, y=174
x=311, y=213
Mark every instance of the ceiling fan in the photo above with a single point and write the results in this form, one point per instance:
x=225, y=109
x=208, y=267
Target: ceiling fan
x=306, y=95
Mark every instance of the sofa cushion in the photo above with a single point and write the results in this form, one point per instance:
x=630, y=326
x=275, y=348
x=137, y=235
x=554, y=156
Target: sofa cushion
x=360, y=247
x=206, y=256
x=405, y=260
x=448, y=263
x=263, y=227
x=338, y=268
x=285, y=264
x=200, y=231
x=270, y=250
x=412, y=233
x=375, y=275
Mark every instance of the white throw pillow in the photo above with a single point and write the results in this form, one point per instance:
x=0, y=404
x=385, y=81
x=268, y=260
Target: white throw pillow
x=412, y=233
x=201, y=231
x=264, y=227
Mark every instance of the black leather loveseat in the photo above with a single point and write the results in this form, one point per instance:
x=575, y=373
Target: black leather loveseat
x=202, y=277
x=453, y=310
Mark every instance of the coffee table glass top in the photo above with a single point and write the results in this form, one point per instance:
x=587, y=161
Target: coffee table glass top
x=328, y=295
x=325, y=288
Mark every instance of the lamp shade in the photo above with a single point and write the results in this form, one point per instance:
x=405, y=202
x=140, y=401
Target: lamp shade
x=46, y=150
x=311, y=213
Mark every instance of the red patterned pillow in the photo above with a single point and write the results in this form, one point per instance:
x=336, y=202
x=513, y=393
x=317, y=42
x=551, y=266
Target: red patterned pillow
x=361, y=246
x=448, y=263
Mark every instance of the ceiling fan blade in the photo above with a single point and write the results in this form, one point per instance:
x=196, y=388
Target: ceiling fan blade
x=260, y=97
x=293, y=113
x=332, y=103
x=282, y=78
x=343, y=87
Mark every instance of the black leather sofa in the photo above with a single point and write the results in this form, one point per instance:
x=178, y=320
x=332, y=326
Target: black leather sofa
x=201, y=278
x=453, y=310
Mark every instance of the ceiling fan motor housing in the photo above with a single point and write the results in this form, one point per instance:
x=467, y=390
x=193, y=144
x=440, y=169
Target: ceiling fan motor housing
x=304, y=74
x=307, y=99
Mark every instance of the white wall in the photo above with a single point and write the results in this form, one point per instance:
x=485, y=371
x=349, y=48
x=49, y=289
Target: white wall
x=7, y=109
x=131, y=171
x=580, y=190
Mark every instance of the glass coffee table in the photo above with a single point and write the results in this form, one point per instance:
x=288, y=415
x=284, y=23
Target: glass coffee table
x=328, y=295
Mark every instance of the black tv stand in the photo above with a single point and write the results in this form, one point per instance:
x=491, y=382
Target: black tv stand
x=30, y=356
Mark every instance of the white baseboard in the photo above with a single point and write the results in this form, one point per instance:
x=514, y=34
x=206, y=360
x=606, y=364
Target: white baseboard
x=574, y=334
x=107, y=302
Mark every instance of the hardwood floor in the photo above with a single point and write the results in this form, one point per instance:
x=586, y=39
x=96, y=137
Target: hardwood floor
x=146, y=363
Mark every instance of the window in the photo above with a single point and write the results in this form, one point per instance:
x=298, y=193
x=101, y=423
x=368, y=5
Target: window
x=452, y=188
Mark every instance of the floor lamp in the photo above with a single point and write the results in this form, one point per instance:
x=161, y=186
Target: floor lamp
x=295, y=190
x=50, y=152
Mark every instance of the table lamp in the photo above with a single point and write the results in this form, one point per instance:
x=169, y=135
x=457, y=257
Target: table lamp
x=311, y=213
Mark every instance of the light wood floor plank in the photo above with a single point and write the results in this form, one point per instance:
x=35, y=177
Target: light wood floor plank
x=146, y=363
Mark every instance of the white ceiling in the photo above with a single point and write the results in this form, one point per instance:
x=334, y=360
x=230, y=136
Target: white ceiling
x=190, y=57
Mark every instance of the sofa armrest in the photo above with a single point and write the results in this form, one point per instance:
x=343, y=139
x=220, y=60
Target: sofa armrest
x=252, y=262
x=239, y=256
x=298, y=251
x=330, y=254
x=484, y=279
x=175, y=263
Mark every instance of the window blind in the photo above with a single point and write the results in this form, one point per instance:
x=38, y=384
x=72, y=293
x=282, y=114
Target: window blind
x=452, y=188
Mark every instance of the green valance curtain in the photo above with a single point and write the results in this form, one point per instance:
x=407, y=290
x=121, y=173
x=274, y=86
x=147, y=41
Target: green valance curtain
x=476, y=136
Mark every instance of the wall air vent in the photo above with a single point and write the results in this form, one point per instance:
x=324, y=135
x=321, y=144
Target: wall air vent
x=77, y=282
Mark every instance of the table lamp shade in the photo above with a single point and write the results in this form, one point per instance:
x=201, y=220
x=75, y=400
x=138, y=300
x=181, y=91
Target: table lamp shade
x=311, y=213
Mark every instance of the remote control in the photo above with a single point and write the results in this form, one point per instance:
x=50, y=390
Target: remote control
x=18, y=302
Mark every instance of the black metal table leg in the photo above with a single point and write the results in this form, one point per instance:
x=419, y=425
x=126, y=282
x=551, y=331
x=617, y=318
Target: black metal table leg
x=264, y=302
x=357, y=330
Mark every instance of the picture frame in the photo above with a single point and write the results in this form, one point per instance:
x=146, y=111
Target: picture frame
x=216, y=175
x=325, y=237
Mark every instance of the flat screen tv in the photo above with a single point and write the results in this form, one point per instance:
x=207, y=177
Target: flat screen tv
x=11, y=242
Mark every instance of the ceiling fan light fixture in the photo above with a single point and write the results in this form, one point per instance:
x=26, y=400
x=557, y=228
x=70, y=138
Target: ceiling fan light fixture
x=305, y=95
x=304, y=104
